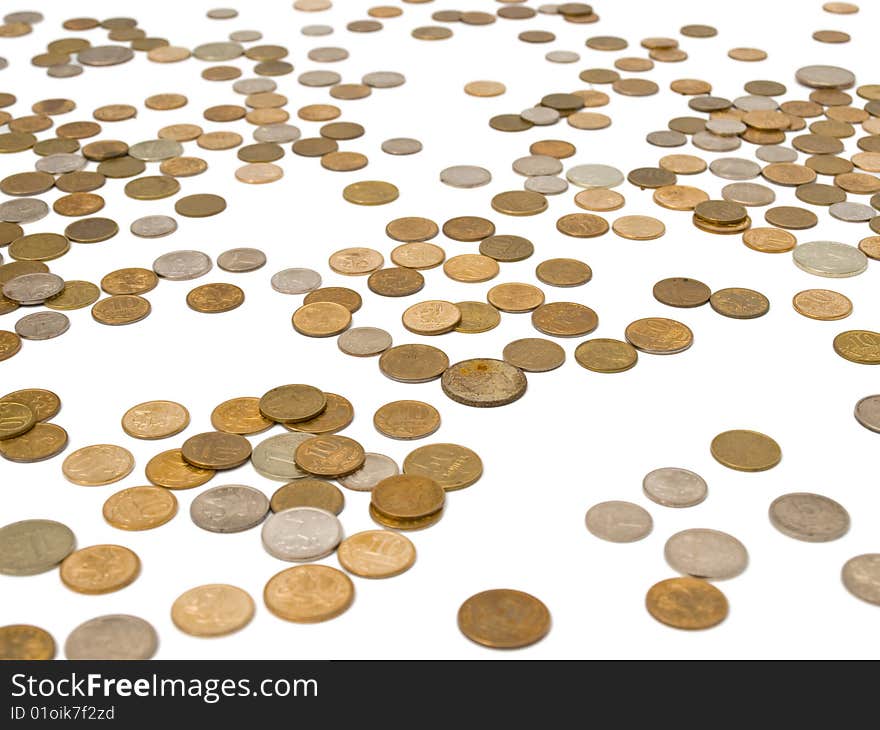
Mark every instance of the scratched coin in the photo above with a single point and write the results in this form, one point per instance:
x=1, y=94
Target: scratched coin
x=115, y=636
x=97, y=465
x=376, y=554
x=674, y=487
x=22, y=642
x=619, y=521
x=861, y=577
x=212, y=610
x=229, y=508
x=100, y=569
x=809, y=517
x=504, y=619
x=707, y=554
x=300, y=534
x=155, y=419
x=376, y=467
x=273, y=457
x=483, y=382
x=140, y=508
x=34, y=546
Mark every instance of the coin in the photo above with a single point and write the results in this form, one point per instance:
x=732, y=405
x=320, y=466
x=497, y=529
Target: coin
x=216, y=450
x=395, y=282
x=376, y=467
x=786, y=216
x=746, y=450
x=329, y=456
x=686, y=603
x=471, y=268
x=241, y=260
x=121, y=309
x=29, y=289
x=309, y=593
x=321, y=319
x=504, y=619
x=605, y=355
x=681, y=292
x=364, y=341
x=563, y=272
x=412, y=228
x=515, y=297
x=155, y=420
x=822, y=304
x=477, y=317
x=34, y=546
x=465, y=176
x=182, y=265
x=706, y=554
x=229, y=508
x=308, y=493
x=867, y=412
x=401, y=146
x=168, y=469
x=739, y=303
x=292, y=403
x=43, y=441
x=129, y=281
x=212, y=610
x=22, y=642
x=115, y=636
x=44, y=403
x=619, y=521
x=859, y=346
x=829, y=258
x=370, y=192
x=449, y=465
x=769, y=240
x=140, y=508
x=97, y=465
x=376, y=554
x=273, y=457
x=301, y=534
x=356, y=261
x=100, y=569
x=413, y=363
x=534, y=355
x=659, y=336
x=582, y=225
x=674, y=487
x=348, y=298
x=15, y=419
x=407, y=498
x=483, y=382
x=468, y=228
x=200, y=206
x=809, y=517
x=406, y=419
x=295, y=281
x=564, y=319
x=861, y=577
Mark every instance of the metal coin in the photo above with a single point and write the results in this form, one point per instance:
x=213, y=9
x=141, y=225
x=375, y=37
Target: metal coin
x=686, y=603
x=406, y=419
x=296, y=281
x=182, y=265
x=15, y=419
x=413, y=363
x=241, y=416
x=739, y=303
x=357, y=261
x=594, y=176
x=216, y=450
x=867, y=412
x=564, y=319
x=483, y=382
x=822, y=304
x=619, y=521
x=449, y=465
x=241, y=260
x=534, y=355
x=229, y=508
x=376, y=467
x=140, y=508
x=606, y=355
x=861, y=577
x=309, y=593
x=329, y=456
x=98, y=465
x=748, y=194
x=859, y=346
x=117, y=637
x=321, y=319
x=504, y=619
x=100, y=569
x=809, y=517
x=825, y=77
x=659, y=336
x=376, y=554
x=706, y=554
x=364, y=341
x=42, y=325
x=168, y=469
x=308, y=493
x=32, y=289
x=675, y=487
x=22, y=642
x=477, y=317
x=200, y=206
x=43, y=403
x=212, y=610
x=337, y=415
x=23, y=210
x=273, y=457
x=34, y=546
x=301, y=534
x=465, y=176
x=401, y=146
x=829, y=258
x=104, y=55
x=681, y=292
x=746, y=450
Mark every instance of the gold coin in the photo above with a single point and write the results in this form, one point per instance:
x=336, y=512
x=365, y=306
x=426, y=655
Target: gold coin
x=690, y=87
x=870, y=246
x=43, y=441
x=39, y=247
x=659, y=335
x=639, y=227
x=114, y=112
x=308, y=493
x=433, y=317
x=100, y=569
x=215, y=298
x=788, y=174
x=582, y=225
x=344, y=296
x=739, y=303
x=589, y=120
x=121, y=309
x=329, y=456
x=129, y=281
x=77, y=204
x=678, y=197
x=564, y=319
x=407, y=497
x=471, y=268
x=241, y=416
x=534, y=355
x=603, y=355
x=431, y=33
x=27, y=183
x=376, y=554
x=292, y=403
x=411, y=229
x=183, y=167
x=216, y=450
x=450, y=465
x=10, y=344
x=560, y=149
x=395, y=282
x=418, y=523
x=468, y=228
x=746, y=450
x=350, y=91
x=484, y=88
x=406, y=419
x=822, y=304
x=859, y=346
x=769, y=240
x=22, y=642
x=337, y=415
x=15, y=419
x=212, y=610
x=356, y=261
x=599, y=199
x=321, y=319
x=140, y=508
x=683, y=164
x=370, y=192
x=168, y=54
x=224, y=113
x=504, y=619
x=515, y=297
x=681, y=292
x=686, y=603
x=91, y=230
x=747, y=54
x=168, y=469
x=181, y=132
x=343, y=161
x=309, y=593
x=97, y=465
x=413, y=363
x=319, y=112
x=43, y=403
x=200, y=206
x=165, y=102
x=314, y=146
x=477, y=317
x=519, y=203
x=155, y=419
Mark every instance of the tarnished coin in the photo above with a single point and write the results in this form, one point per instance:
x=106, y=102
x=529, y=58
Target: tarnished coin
x=604, y=355
x=465, y=176
x=504, y=619
x=156, y=419
x=376, y=554
x=769, y=240
x=401, y=146
x=182, y=265
x=686, y=603
x=356, y=261
x=97, y=465
x=292, y=403
x=659, y=335
x=100, y=569
x=507, y=248
x=301, y=533
x=867, y=412
x=34, y=546
x=534, y=354
x=706, y=554
x=229, y=508
x=215, y=298
x=739, y=303
x=216, y=450
x=168, y=469
x=308, y=493
x=483, y=382
x=309, y=593
x=15, y=419
x=861, y=577
x=564, y=319
x=823, y=304
x=364, y=341
x=115, y=636
x=681, y=292
x=329, y=456
x=273, y=457
x=619, y=521
x=582, y=225
x=43, y=441
x=296, y=281
x=563, y=272
x=44, y=403
x=859, y=346
x=337, y=415
x=406, y=501
x=433, y=317
x=129, y=281
x=413, y=363
x=829, y=258
x=746, y=450
x=240, y=260
x=468, y=228
x=809, y=517
x=370, y=192
x=675, y=487
x=376, y=467
x=406, y=419
x=22, y=642
x=212, y=610
x=450, y=465
x=140, y=508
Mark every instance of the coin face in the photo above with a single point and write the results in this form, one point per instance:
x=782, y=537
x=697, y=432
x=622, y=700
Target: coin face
x=43, y=441
x=681, y=292
x=22, y=642
x=619, y=521
x=338, y=414
x=829, y=258
x=564, y=272
x=301, y=534
x=140, y=508
x=292, y=403
x=686, y=603
x=156, y=419
x=121, y=309
x=97, y=465
x=376, y=554
x=364, y=341
x=515, y=297
x=215, y=298
x=433, y=317
x=659, y=335
x=321, y=319
x=169, y=469
x=809, y=517
x=100, y=569
x=413, y=363
x=706, y=554
x=483, y=383
x=212, y=610
x=822, y=304
x=450, y=465
x=859, y=346
x=739, y=303
x=675, y=487
x=229, y=508
x=746, y=450
x=117, y=636
x=504, y=619
x=376, y=467
x=216, y=450
x=534, y=354
x=308, y=493
x=15, y=419
x=273, y=457
x=604, y=355
x=309, y=593
x=406, y=419
x=564, y=319
x=861, y=577
x=34, y=546
x=867, y=412
x=329, y=456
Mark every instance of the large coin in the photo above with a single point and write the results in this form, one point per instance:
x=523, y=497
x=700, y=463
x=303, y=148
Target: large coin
x=308, y=493
x=329, y=456
x=829, y=258
x=116, y=636
x=504, y=619
x=292, y=403
x=809, y=517
x=229, y=508
x=140, y=508
x=484, y=382
x=43, y=441
x=34, y=546
x=659, y=335
x=15, y=419
x=216, y=450
x=309, y=593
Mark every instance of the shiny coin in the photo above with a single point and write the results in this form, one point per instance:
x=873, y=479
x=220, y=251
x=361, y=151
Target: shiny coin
x=98, y=465
x=564, y=272
x=100, y=569
x=140, y=508
x=675, y=487
x=309, y=593
x=321, y=319
x=215, y=298
x=407, y=498
x=308, y=493
x=241, y=260
x=822, y=304
x=746, y=450
x=599, y=199
x=504, y=619
x=619, y=521
x=406, y=419
x=296, y=281
x=859, y=346
x=10, y=344
x=471, y=268
x=659, y=336
x=229, y=508
x=34, y=546
x=401, y=146
x=329, y=456
x=356, y=261
x=273, y=457
x=43, y=403
x=129, y=281
x=564, y=319
x=413, y=363
x=370, y=192
x=769, y=240
x=638, y=227
x=32, y=289
x=449, y=465
x=594, y=176
x=337, y=415
x=809, y=517
x=168, y=469
x=212, y=610
x=121, y=310
x=116, y=636
x=301, y=533
x=706, y=554
x=686, y=603
x=515, y=297
x=465, y=176
x=376, y=467
x=364, y=341
x=829, y=258
x=15, y=419
x=477, y=317
x=582, y=225
x=861, y=577
x=182, y=265
x=376, y=554
x=534, y=355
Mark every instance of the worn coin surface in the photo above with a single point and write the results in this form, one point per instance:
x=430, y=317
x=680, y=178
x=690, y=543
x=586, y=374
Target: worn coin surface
x=413, y=363
x=309, y=593
x=216, y=450
x=564, y=319
x=292, y=403
x=739, y=303
x=44, y=403
x=450, y=465
x=830, y=258
x=97, y=465
x=216, y=609
x=809, y=517
x=675, y=487
x=115, y=636
x=215, y=298
x=534, y=354
x=619, y=521
x=321, y=319
x=504, y=619
x=140, y=508
x=308, y=493
x=34, y=546
x=406, y=419
x=822, y=304
x=155, y=419
x=100, y=569
x=301, y=534
x=240, y=260
x=22, y=642
x=376, y=467
x=859, y=346
x=706, y=554
x=43, y=441
x=376, y=554
x=746, y=450
x=407, y=497
x=686, y=603
x=483, y=382
x=515, y=297
x=182, y=265
x=680, y=291
x=364, y=341
x=240, y=415
x=229, y=508
x=861, y=577
x=295, y=281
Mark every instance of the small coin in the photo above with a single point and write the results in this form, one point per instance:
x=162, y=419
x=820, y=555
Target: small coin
x=329, y=456
x=594, y=176
x=168, y=469
x=564, y=319
x=212, y=610
x=809, y=517
x=301, y=534
x=153, y=226
x=769, y=240
x=376, y=467
x=861, y=577
x=22, y=642
x=356, y=261
x=619, y=521
x=43, y=441
x=97, y=465
x=321, y=319
x=42, y=325
x=200, y=206
x=292, y=403
x=407, y=497
x=465, y=176
x=156, y=419
x=296, y=281
x=471, y=268
x=746, y=450
x=401, y=146
x=140, y=508
x=182, y=265
x=376, y=554
x=308, y=493
x=675, y=487
x=29, y=289
x=859, y=346
x=229, y=508
x=468, y=228
x=44, y=403
x=504, y=619
x=686, y=603
x=406, y=419
x=215, y=298
x=370, y=192
x=216, y=450
x=822, y=304
x=659, y=336
x=129, y=281
x=450, y=465
x=241, y=260
x=337, y=415
x=115, y=636
x=739, y=303
x=681, y=292
x=483, y=382
x=34, y=546
x=309, y=593
x=100, y=569
x=412, y=228
x=15, y=419
x=582, y=225
x=477, y=317
x=413, y=363
x=706, y=554
x=364, y=341
x=273, y=457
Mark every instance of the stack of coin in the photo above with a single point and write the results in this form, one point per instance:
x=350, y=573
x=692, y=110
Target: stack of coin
x=24, y=434
x=407, y=502
x=721, y=216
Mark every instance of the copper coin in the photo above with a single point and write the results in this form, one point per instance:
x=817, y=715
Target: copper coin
x=308, y=493
x=687, y=603
x=216, y=450
x=681, y=292
x=155, y=419
x=564, y=319
x=504, y=619
x=659, y=336
x=413, y=363
x=329, y=456
x=605, y=355
x=822, y=304
x=241, y=416
x=168, y=469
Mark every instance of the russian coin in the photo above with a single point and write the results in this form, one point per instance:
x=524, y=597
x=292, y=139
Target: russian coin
x=376, y=554
x=15, y=419
x=563, y=272
x=22, y=642
x=104, y=55
x=168, y=469
x=822, y=304
x=100, y=569
x=140, y=508
x=603, y=355
x=229, y=508
x=153, y=226
x=675, y=487
x=309, y=593
x=515, y=297
x=241, y=416
x=594, y=176
x=465, y=176
x=867, y=412
x=216, y=450
x=504, y=619
x=564, y=319
x=212, y=610
x=296, y=281
x=42, y=325
x=619, y=521
x=329, y=456
x=29, y=289
x=483, y=382
x=582, y=225
x=370, y=192
x=829, y=258
x=97, y=465
x=413, y=363
x=23, y=210
x=301, y=533
x=200, y=206
x=859, y=346
x=746, y=450
x=356, y=261
x=321, y=319
x=739, y=303
x=273, y=457
x=406, y=499
x=406, y=419
x=706, y=554
x=364, y=341
x=769, y=240
x=376, y=467
x=337, y=415
x=292, y=403
x=686, y=603
x=308, y=493
x=681, y=292
x=825, y=77
x=43, y=441
x=534, y=355
x=34, y=546
x=182, y=265
x=809, y=517
x=401, y=146
x=659, y=336
x=477, y=317
x=861, y=577
x=450, y=465
x=43, y=403
x=115, y=636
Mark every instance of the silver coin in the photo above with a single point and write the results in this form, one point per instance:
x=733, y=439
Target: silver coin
x=240, y=260
x=64, y=70
x=319, y=78
x=60, y=163
x=809, y=517
x=540, y=115
x=23, y=210
x=666, y=138
x=829, y=258
x=725, y=127
x=182, y=265
x=254, y=86
x=852, y=212
x=33, y=288
x=825, y=77
x=401, y=146
x=465, y=176
x=296, y=281
x=383, y=79
x=222, y=13
x=705, y=140
x=867, y=412
x=245, y=36
x=364, y=341
x=562, y=57
x=746, y=193
x=735, y=168
x=115, y=636
x=34, y=546
x=753, y=103
x=300, y=534
x=376, y=468
x=776, y=153
x=277, y=133
x=594, y=176
x=42, y=325
x=229, y=508
x=104, y=55
x=328, y=54
x=316, y=30
x=153, y=226
x=619, y=521
x=546, y=184
x=675, y=487
x=3, y=63
x=273, y=457
x=861, y=577
x=28, y=17
x=221, y=51
x=154, y=150
x=532, y=165
x=706, y=554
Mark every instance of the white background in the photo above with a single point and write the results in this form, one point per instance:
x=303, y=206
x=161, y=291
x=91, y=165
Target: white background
x=575, y=439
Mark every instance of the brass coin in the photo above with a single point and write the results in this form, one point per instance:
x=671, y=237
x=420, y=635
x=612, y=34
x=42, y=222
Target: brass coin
x=395, y=282
x=819, y=194
x=200, y=206
x=121, y=167
x=407, y=497
x=471, y=268
x=747, y=54
x=321, y=319
x=165, y=102
x=413, y=363
x=100, y=569
x=859, y=346
x=309, y=593
x=39, y=247
x=870, y=246
x=418, y=523
x=22, y=642
x=15, y=419
x=564, y=319
x=292, y=403
x=129, y=281
x=343, y=161
x=507, y=248
x=155, y=419
x=678, y=197
x=564, y=272
x=319, y=112
x=338, y=415
x=329, y=456
x=515, y=297
x=534, y=355
x=370, y=192
x=356, y=261
x=121, y=309
x=720, y=212
x=212, y=610
x=98, y=465
x=638, y=227
x=104, y=149
x=215, y=298
x=376, y=554
x=599, y=199
x=43, y=441
x=858, y=183
x=659, y=336
x=183, y=166
x=181, y=132
x=308, y=493
x=560, y=149
x=788, y=173
x=16, y=142
x=114, y=112
x=785, y=216
x=477, y=317
x=769, y=240
x=406, y=419
x=589, y=120
x=687, y=603
x=682, y=164
x=822, y=304
x=154, y=187
x=449, y=465
x=9, y=232
x=168, y=469
x=483, y=383
x=170, y=54
x=216, y=450
x=635, y=87
x=739, y=303
x=140, y=508
x=681, y=292
x=314, y=147
x=468, y=228
x=604, y=355
x=27, y=183
x=509, y=123
x=746, y=450
x=342, y=130
x=224, y=113
x=504, y=619
x=519, y=203
x=241, y=416
x=432, y=317
x=77, y=204
x=344, y=296
x=43, y=403
x=91, y=230
x=690, y=87
x=411, y=229
x=582, y=225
